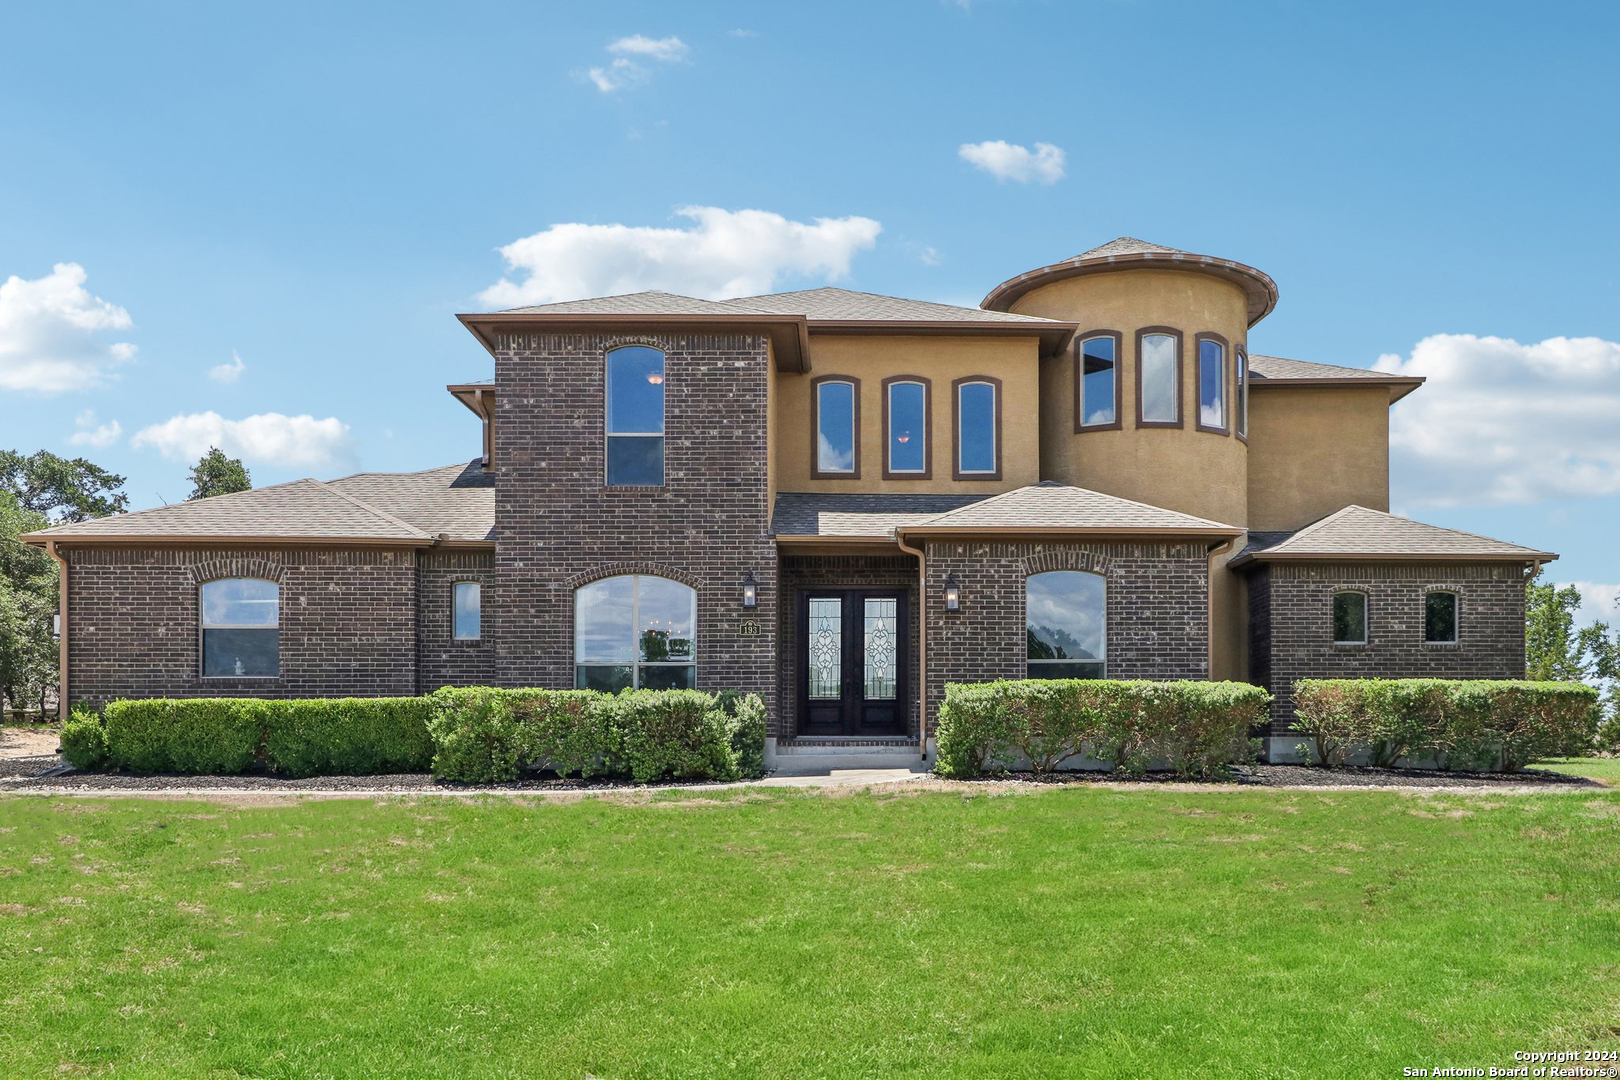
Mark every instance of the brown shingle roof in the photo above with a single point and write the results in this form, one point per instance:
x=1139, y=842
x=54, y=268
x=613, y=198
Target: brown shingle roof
x=845, y=305
x=410, y=508
x=640, y=303
x=852, y=515
x=1359, y=534
x=1277, y=370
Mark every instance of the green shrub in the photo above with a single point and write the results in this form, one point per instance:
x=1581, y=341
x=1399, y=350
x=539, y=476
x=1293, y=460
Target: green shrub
x=745, y=726
x=476, y=740
x=208, y=736
x=84, y=741
x=1466, y=724
x=1197, y=727
x=679, y=734
x=348, y=736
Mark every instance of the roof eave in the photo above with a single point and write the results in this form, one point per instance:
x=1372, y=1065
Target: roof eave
x=1258, y=286
x=1156, y=532
x=40, y=539
x=1401, y=557
x=1399, y=385
x=789, y=340
x=1054, y=335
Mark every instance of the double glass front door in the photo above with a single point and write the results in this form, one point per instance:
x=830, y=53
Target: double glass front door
x=852, y=662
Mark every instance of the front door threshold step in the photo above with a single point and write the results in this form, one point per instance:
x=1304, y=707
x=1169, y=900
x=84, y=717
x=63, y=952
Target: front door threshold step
x=847, y=753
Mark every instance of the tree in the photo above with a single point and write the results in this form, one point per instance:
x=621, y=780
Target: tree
x=216, y=474
x=28, y=653
x=1553, y=648
x=62, y=489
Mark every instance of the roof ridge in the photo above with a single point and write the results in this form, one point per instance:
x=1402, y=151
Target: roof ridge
x=390, y=518
x=1318, y=523
x=408, y=472
x=1442, y=528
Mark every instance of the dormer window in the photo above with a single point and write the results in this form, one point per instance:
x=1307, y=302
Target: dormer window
x=1158, y=377
x=976, y=426
x=635, y=417
x=1211, y=384
x=836, y=403
x=905, y=428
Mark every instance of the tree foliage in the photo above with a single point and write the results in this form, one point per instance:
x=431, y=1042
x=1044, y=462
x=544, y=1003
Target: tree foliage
x=1554, y=650
x=63, y=489
x=216, y=474
x=27, y=601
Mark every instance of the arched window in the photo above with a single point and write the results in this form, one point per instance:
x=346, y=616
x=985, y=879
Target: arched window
x=1096, y=390
x=836, y=405
x=976, y=424
x=1240, y=401
x=1440, y=617
x=1350, y=617
x=1158, y=377
x=241, y=636
x=905, y=428
x=1066, y=625
x=1212, y=383
x=635, y=630
x=635, y=417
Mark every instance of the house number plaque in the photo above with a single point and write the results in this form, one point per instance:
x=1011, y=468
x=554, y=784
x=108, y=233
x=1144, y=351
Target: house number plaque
x=748, y=628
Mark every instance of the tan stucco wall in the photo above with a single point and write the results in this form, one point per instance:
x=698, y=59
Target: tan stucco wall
x=1228, y=618
x=1195, y=472
x=1015, y=361
x=1313, y=451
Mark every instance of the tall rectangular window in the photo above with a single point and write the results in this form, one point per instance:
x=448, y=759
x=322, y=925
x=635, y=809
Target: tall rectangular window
x=837, y=421
x=1440, y=618
x=977, y=426
x=905, y=427
x=1211, y=385
x=635, y=417
x=1099, y=382
x=1240, y=401
x=1350, y=618
x=469, y=604
x=1158, y=379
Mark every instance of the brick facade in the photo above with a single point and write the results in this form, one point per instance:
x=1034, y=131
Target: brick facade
x=442, y=660
x=1158, y=609
x=845, y=572
x=560, y=526
x=347, y=622
x=1292, y=609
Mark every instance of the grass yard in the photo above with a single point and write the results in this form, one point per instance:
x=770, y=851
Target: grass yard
x=1606, y=770
x=774, y=933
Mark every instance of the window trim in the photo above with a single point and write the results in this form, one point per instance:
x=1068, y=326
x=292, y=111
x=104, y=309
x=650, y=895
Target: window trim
x=816, y=472
x=634, y=664
x=1103, y=659
x=927, y=385
x=1080, y=340
x=1366, y=616
x=202, y=627
x=1226, y=403
x=455, y=585
x=1240, y=355
x=608, y=434
x=957, y=472
x=1456, y=616
x=1181, y=405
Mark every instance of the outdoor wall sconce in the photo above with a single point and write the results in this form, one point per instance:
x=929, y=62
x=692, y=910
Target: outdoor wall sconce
x=750, y=590
x=56, y=626
x=953, y=593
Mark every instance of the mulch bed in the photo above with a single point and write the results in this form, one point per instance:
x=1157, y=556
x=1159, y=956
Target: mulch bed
x=1307, y=776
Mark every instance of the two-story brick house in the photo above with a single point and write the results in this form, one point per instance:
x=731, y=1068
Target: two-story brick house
x=840, y=501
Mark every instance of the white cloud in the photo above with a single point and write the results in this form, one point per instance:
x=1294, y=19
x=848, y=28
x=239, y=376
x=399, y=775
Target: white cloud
x=742, y=33
x=928, y=256
x=48, y=333
x=668, y=49
x=1599, y=603
x=726, y=253
x=265, y=439
x=228, y=373
x=1500, y=422
x=627, y=69
x=92, y=434
x=1009, y=161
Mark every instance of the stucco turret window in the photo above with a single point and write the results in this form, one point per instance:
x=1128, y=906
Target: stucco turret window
x=976, y=427
x=1066, y=625
x=1240, y=400
x=1158, y=377
x=635, y=630
x=241, y=635
x=635, y=417
x=1096, y=391
x=1211, y=384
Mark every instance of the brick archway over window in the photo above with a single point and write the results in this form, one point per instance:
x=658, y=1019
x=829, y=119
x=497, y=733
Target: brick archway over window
x=597, y=573
x=236, y=566
x=1088, y=561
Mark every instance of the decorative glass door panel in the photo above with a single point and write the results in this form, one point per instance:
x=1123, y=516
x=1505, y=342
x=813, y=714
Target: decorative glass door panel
x=853, y=662
x=825, y=639
x=882, y=653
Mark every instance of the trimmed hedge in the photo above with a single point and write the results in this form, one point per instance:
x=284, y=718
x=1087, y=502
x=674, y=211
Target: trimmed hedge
x=485, y=735
x=1472, y=724
x=1198, y=728
x=213, y=736
x=348, y=736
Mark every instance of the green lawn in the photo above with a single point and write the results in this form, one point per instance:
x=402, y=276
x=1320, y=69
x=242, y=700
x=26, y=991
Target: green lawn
x=1605, y=769
x=774, y=933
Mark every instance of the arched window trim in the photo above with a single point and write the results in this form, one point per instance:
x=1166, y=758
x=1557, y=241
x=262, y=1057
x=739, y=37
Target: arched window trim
x=957, y=472
x=1181, y=362
x=1366, y=613
x=927, y=385
x=204, y=626
x=636, y=664
x=1456, y=615
x=1031, y=667
x=1080, y=340
x=1225, y=427
x=455, y=586
x=816, y=471
x=1240, y=399
x=608, y=434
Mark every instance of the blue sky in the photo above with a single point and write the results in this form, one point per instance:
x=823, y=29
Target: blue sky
x=314, y=191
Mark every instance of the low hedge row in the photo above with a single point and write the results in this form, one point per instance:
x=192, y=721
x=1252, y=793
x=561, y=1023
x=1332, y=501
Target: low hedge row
x=474, y=735
x=1462, y=724
x=1197, y=728
x=484, y=734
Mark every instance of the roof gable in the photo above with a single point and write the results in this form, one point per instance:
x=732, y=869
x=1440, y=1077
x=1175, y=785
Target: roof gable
x=1360, y=533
